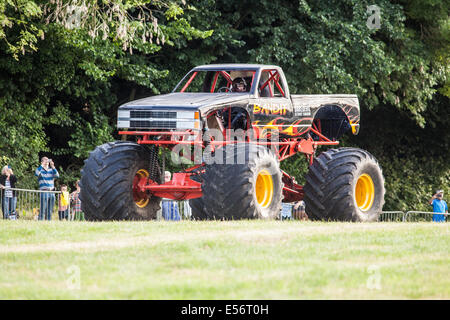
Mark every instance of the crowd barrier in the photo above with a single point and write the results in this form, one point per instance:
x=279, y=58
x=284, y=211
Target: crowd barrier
x=391, y=216
x=420, y=216
x=409, y=216
x=27, y=206
x=27, y=203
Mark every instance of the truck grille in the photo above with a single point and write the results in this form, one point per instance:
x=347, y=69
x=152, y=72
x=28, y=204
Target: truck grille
x=153, y=124
x=140, y=114
x=158, y=119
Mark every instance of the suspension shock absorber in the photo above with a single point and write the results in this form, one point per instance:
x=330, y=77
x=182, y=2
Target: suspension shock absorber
x=154, y=164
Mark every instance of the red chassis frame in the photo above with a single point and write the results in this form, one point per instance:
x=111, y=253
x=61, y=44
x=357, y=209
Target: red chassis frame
x=182, y=187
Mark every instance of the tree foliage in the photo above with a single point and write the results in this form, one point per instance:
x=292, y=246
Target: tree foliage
x=18, y=30
x=326, y=47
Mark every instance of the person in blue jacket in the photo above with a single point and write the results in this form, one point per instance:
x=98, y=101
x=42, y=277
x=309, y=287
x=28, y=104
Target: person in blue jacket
x=439, y=206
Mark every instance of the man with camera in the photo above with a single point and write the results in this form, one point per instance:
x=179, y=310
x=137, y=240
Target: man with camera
x=439, y=206
x=46, y=174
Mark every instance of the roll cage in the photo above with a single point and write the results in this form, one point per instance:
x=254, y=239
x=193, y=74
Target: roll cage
x=263, y=81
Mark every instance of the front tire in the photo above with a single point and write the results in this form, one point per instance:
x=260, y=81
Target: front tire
x=107, y=182
x=237, y=190
x=344, y=184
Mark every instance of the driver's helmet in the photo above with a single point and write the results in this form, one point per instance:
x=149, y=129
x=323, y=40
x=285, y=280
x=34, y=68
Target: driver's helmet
x=239, y=85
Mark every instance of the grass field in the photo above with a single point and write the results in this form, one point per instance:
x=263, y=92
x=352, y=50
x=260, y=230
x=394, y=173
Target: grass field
x=223, y=260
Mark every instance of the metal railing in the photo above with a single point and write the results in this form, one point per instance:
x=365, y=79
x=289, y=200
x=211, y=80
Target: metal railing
x=409, y=216
x=27, y=204
x=391, y=216
x=422, y=216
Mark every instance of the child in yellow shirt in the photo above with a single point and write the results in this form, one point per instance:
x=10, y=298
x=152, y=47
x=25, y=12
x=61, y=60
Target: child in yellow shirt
x=63, y=205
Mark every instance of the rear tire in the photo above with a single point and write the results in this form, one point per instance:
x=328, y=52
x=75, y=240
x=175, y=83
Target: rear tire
x=344, y=184
x=198, y=212
x=107, y=180
x=236, y=190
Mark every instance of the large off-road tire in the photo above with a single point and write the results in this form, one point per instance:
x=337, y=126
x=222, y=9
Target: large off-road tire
x=107, y=182
x=344, y=184
x=246, y=186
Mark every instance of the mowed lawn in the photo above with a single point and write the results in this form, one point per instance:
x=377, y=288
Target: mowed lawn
x=223, y=260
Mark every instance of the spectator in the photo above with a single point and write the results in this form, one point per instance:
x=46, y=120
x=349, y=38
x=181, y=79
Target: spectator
x=299, y=212
x=76, y=203
x=167, y=176
x=286, y=211
x=170, y=210
x=63, y=205
x=8, y=180
x=439, y=206
x=46, y=178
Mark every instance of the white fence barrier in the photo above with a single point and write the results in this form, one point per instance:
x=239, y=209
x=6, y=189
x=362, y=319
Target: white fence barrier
x=391, y=216
x=31, y=204
x=409, y=216
x=420, y=216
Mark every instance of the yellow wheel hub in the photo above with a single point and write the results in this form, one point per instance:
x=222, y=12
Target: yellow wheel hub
x=364, y=192
x=264, y=188
x=140, y=199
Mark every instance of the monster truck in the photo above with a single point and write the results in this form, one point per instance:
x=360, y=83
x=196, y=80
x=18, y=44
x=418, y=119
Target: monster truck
x=234, y=123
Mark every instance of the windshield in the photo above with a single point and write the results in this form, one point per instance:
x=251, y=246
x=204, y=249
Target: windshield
x=214, y=81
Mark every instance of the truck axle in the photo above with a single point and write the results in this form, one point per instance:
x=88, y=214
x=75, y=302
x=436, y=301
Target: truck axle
x=181, y=187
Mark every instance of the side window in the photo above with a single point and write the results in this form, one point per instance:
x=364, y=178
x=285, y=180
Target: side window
x=270, y=84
